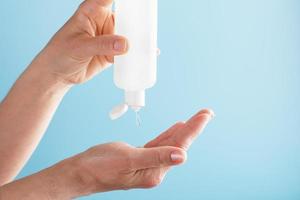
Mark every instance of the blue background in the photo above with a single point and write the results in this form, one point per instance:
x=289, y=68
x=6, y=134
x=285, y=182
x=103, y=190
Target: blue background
x=241, y=58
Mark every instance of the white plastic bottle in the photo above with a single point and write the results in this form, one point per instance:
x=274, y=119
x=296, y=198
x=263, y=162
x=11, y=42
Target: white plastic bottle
x=136, y=71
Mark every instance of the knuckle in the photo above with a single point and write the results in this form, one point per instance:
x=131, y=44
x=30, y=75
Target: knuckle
x=88, y=8
x=158, y=157
x=108, y=44
x=99, y=44
x=85, y=6
x=104, y=44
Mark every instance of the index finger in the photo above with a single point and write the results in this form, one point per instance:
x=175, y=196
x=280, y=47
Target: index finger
x=193, y=127
x=184, y=133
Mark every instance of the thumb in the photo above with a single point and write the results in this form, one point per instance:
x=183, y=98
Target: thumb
x=145, y=158
x=105, y=45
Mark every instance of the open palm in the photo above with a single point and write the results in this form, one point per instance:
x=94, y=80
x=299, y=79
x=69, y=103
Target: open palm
x=117, y=165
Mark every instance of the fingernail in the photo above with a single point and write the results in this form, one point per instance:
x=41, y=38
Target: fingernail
x=120, y=45
x=177, y=157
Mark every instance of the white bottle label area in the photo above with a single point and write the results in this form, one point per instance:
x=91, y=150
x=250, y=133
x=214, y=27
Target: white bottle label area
x=137, y=21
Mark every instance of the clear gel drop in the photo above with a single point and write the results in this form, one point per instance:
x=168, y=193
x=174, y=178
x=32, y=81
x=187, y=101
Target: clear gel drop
x=138, y=120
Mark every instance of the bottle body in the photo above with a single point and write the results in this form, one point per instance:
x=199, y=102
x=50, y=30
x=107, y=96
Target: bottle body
x=136, y=71
x=137, y=21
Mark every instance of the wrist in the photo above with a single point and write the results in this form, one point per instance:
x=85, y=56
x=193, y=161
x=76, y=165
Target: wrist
x=42, y=78
x=61, y=182
x=38, y=74
x=67, y=180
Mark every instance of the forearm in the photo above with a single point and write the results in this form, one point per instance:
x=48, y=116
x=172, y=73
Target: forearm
x=55, y=183
x=24, y=116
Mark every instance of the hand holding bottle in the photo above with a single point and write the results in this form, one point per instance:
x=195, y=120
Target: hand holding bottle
x=84, y=46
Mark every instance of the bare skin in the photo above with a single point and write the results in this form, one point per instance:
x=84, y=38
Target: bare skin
x=83, y=48
x=80, y=50
x=113, y=166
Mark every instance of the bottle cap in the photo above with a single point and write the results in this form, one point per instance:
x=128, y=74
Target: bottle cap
x=118, y=111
